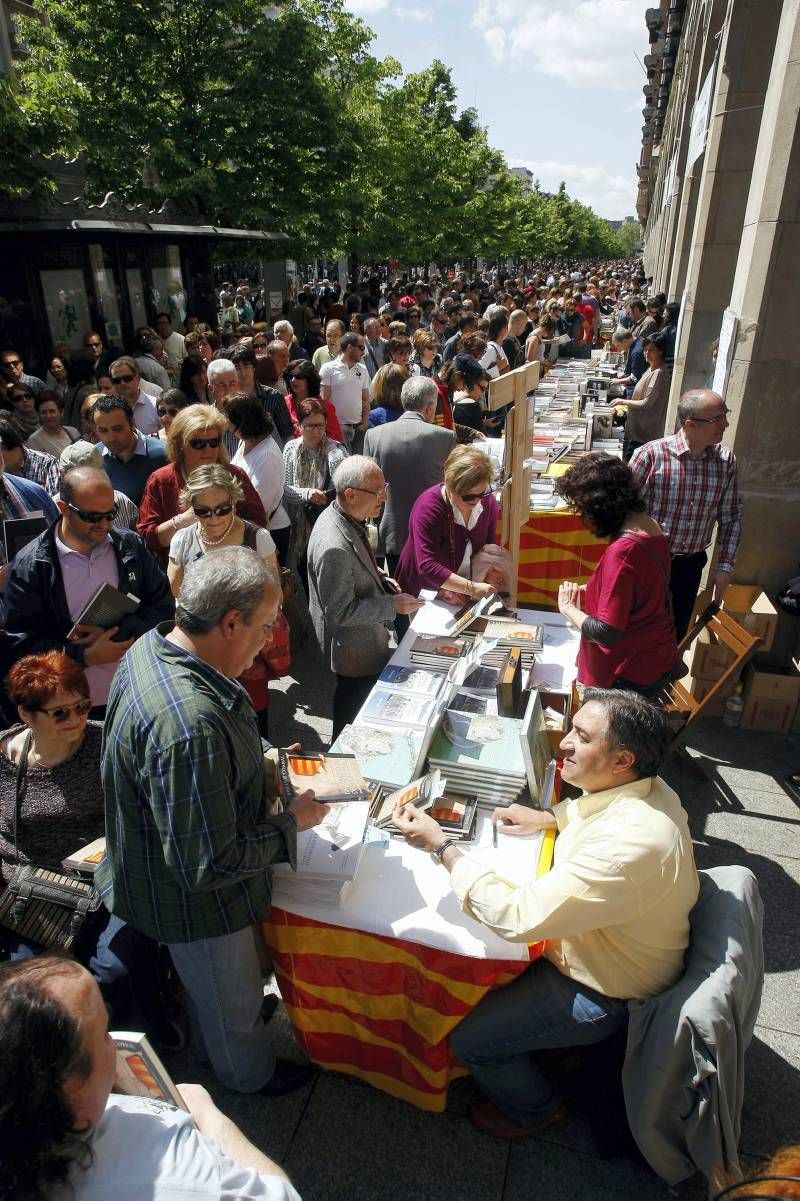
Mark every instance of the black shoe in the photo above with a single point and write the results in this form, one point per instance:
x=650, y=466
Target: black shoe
x=168, y=1035
x=270, y=1004
x=287, y=1078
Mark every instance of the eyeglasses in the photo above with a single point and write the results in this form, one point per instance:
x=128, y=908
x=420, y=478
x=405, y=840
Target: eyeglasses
x=259, y=345
x=21, y=396
x=202, y=443
x=314, y=425
x=712, y=420
x=167, y=412
x=383, y=492
x=203, y=511
x=62, y=712
x=92, y=516
x=122, y=379
x=470, y=496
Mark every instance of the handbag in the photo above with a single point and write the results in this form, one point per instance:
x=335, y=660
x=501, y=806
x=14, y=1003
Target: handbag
x=45, y=906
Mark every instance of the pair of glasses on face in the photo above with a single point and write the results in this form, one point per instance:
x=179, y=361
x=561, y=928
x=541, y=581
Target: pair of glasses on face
x=259, y=346
x=712, y=420
x=203, y=511
x=382, y=494
x=62, y=712
x=122, y=379
x=12, y=363
x=93, y=517
x=202, y=443
x=21, y=396
x=471, y=496
x=167, y=412
x=314, y=426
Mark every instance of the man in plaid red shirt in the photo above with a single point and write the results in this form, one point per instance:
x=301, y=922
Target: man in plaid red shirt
x=688, y=482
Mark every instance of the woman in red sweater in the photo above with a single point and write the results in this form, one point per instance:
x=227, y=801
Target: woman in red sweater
x=623, y=613
x=194, y=440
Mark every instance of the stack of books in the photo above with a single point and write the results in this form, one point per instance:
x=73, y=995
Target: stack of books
x=328, y=856
x=438, y=652
x=509, y=635
x=388, y=755
x=455, y=813
x=385, y=706
x=480, y=756
x=407, y=679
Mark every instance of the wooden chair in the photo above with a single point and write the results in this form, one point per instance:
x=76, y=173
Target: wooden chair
x=683, y=708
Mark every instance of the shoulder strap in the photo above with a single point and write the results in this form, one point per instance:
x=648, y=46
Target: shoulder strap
x=22, y=774
x=250, y=535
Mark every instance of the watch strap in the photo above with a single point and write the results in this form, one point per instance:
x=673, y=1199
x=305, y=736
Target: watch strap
x=442, y=847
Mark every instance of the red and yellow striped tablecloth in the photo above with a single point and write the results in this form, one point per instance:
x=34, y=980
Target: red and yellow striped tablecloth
x=554, y=546
x=382, y=1008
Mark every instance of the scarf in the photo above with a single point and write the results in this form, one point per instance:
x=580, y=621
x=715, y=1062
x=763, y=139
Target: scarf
x=312, y=465
x=24, y=423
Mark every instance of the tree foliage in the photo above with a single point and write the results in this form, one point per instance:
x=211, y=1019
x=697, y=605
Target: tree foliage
x=275, y=117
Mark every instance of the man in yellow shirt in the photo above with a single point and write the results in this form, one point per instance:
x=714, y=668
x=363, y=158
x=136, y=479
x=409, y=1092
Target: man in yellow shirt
x=614, y=909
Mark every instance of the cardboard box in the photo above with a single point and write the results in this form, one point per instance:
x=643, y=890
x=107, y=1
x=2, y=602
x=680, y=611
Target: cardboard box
x=561, y=701
x=708, y=658
x=753, y=609
x=699, y=689
x=771, y=697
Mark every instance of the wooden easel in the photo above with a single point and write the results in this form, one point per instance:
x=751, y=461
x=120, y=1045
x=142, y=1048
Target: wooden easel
x=514, y=388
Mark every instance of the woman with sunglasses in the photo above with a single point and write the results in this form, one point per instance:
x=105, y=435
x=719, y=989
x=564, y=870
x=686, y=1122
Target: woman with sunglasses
x=193, y=382
x=308, y=463
x=194, y=440
x=23, y=416
x=54, y=750
x=449, y=524
x=168, y=406
x=305, y=384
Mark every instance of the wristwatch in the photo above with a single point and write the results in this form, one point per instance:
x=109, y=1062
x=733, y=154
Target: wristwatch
x=442, y=847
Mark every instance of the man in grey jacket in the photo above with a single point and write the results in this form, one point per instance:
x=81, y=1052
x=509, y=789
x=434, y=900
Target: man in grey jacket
x=353, y=603
x=411, y=453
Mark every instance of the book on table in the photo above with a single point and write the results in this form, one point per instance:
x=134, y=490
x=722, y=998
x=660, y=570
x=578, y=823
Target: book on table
x=385, y=706
x=408, y=679
x=19, y=531
x=436, y=650
x=534, y=744
x=421, y=793
x=480, y=754
x=334, y=778
x=385, y=755
x=107, y=607
x=328, y=856
x=140, y=1072
x=87, y=858
x=457, y=814
x=484, y=704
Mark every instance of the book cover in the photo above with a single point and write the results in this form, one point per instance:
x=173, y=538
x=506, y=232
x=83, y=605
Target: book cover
x=514, y=632
x=469, y=702
x=386, y=756
x=140, y=1073
x=421, y=793
x=334, y=778
x=534, y=744
x=19, y=531
x=87, y=858
x=414, y=680
x=398, y=708
x=487, y=744
x=434, y=646
x=107, y=607
x=455, y=812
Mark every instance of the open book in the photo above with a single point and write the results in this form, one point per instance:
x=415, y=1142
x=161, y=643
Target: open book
x=334, y=778
x=140, y=1073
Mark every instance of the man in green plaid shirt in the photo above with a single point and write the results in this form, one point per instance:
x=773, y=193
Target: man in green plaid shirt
x=188, y=829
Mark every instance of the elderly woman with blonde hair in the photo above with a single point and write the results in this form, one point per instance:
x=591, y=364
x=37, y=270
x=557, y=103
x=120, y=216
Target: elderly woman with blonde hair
x=194, y=440
x=450, y=523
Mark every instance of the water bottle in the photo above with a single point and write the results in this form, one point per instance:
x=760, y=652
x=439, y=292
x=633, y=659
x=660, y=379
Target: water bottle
x=732, y=716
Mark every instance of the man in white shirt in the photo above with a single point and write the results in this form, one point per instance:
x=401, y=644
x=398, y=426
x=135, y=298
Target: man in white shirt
x=344, y=381
x=99, y=1143
x=614, y=909
x=127, y=381
x=173, y=343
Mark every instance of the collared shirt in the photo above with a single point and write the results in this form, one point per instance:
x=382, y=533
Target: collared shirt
x=145, y=413
x=686, y=495
x=41, y=468
x=36, y=385
x=132, y=475
x=615, y=907
x=347, y=385
x=188, y=834
x=373, y=355
x=82, y=575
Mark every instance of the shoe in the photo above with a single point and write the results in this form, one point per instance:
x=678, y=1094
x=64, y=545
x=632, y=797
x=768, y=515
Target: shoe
x=287, y=1078
x=485, y=1116
x=168, y=1035
x=269, y=1005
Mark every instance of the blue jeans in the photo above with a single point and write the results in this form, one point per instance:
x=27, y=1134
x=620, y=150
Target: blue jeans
x=541, y=1008
x=225, y=992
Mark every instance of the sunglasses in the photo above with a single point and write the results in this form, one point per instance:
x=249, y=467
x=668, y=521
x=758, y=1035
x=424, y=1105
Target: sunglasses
x=92, y=517
x=213, y=511
x=12, y=362
x=63, y=711
x=202, y=443
x=167, y=412
x=259, y=345
x=470, y=496
x=122, y=379
x=21, y=396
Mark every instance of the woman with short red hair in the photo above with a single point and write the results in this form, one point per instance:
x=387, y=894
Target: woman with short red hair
x=54, y=752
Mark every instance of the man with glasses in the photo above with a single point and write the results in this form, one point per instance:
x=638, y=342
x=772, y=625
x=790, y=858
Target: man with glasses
x=688, y=482
x=12, y=370
x=54, y=577
x=353, y=603
x=345, y=383
x=130, y=457
x=127, y=381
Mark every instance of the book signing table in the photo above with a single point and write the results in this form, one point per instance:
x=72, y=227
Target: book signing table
x=374, y=986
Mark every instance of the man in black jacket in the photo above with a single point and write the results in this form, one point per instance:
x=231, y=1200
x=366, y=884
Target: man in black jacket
x=52, y=579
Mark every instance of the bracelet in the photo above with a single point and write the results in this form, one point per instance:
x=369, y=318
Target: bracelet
x=175, y=525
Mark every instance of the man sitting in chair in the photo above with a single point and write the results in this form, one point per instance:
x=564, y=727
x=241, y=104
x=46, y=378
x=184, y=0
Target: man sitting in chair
x=614, y=909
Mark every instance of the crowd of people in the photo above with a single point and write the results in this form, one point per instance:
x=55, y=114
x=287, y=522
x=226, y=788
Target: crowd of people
x=345, y=447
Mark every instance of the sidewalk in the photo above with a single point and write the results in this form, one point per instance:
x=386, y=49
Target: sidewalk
x=340, y=1140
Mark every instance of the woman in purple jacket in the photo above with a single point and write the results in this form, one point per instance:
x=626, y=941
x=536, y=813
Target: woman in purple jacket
x=449, y=524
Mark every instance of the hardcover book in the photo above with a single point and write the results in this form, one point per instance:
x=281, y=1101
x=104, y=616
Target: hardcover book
x=334, y=778
x=107, y=607
x=140, y=1073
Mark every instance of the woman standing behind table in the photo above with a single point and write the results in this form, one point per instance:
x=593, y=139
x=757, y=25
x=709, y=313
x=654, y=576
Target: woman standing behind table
x=623, y=613
x=449, y=524
x=308, y=464
x=258, y=455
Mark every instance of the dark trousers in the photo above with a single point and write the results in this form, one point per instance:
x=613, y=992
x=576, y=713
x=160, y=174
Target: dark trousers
x=629, y=447
x=402, y=620
x=684, y=584
x=281, y=540
x=350, y=694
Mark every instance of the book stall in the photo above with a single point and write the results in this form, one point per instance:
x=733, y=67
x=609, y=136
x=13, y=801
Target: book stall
x=555, y=419
x=375, y=959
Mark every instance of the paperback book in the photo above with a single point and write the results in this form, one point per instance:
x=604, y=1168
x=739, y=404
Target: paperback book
x=407, y=679
x=334, y=778
x=140, y=1072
